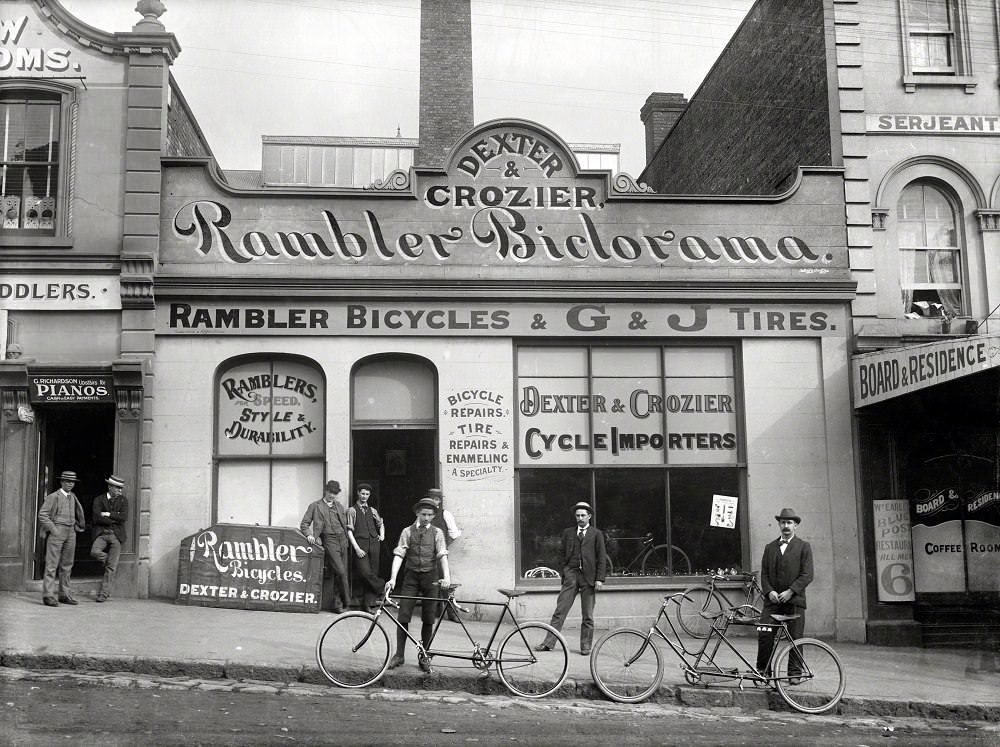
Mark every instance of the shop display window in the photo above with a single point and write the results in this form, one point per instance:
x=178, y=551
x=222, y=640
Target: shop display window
x=650, y=436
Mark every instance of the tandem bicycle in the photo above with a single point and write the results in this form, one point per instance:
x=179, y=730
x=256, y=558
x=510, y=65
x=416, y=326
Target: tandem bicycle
x=702, y=603
x=354, y=650
x=627, y=665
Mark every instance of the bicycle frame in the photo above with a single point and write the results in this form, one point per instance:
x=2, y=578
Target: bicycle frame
x=751, y=590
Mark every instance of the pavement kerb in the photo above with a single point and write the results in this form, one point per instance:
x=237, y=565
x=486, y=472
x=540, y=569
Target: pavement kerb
x=681, y=695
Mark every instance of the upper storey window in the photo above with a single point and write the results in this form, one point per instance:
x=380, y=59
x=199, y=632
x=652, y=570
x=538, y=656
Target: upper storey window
x=30, y=139
x=930, y=253
x=935, y=43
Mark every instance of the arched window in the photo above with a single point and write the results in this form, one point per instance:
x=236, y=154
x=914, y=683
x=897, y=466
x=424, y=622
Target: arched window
x=930, y=252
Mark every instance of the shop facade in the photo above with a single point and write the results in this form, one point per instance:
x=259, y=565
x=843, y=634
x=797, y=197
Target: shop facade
x=523, y=334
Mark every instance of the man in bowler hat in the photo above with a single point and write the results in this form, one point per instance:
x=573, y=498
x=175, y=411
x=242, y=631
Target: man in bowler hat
x=110, y=514
x=585, y=564
x=785, y=571
x=325, y=524
x=61, y=517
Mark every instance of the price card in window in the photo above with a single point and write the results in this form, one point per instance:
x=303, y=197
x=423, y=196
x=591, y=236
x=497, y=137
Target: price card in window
x=724, y=511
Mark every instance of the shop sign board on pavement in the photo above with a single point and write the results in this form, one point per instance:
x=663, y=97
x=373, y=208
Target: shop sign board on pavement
x=250, y=567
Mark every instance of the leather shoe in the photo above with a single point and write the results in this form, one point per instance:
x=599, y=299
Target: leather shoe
x=68, y=600
x=101, y=598
x=585, y=652
x=395, y=661
x=424, y=663
x=543, y=647
x=50, y=602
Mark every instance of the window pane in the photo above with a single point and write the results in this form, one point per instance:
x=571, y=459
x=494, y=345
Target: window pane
x=701, y=421
x=396, y=390
x=41, y=133
x=552, y=361
x=244, y=492
x=554, y=430
x=629, y=505
x=928, y=13
x=297, y=483
x=628, y=428
x=707, y=547
x=697, y=361
x=614, y=361
x=546, y=499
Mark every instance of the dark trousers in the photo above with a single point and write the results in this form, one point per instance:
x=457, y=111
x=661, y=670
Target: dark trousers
x=336, y=554
x=60, y=549
x=765, y=638
x=366, y=569
x=416, y=584
x=574, y=583
x=107, y=549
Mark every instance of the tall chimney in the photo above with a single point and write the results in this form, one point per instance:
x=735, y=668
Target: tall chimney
x=445, y=77
x=659, y=114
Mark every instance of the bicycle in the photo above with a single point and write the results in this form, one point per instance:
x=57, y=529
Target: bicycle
x=651, y=560
x=627, y=666
x=353, y=651
x=702, y=603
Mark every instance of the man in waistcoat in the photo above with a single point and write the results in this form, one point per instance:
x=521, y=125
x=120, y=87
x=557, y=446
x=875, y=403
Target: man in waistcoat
x=786, y=569
x=110, y=514
x=419, y=553
x=61, y=517
x=366, y=531
x=325, y=524
x=585, y=565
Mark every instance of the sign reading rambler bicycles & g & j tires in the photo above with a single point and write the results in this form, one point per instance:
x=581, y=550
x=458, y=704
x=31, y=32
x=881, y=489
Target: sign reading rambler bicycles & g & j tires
x=250, y=567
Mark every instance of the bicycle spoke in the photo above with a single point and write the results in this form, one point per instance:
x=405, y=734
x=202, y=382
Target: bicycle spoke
x=530, y=673
x=353, y=651
x=620, y=672
x=809, y=676
x=696, y=612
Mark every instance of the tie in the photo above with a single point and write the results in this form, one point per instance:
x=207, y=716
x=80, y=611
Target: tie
x=580, y=534
x=783, y=545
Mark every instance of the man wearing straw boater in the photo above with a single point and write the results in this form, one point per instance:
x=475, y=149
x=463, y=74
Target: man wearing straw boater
x=61, y=517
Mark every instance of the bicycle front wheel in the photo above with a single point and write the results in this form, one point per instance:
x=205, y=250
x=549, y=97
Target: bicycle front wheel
x=353, y=651
x=697, y=609
x=809, y=676
x=530, y=673
x=617, y=671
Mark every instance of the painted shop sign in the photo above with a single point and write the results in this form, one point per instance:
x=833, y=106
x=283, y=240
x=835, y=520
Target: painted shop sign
x=509, y=197
x=499, y=320
x=21, y=59
x=935, y=124
x=271, y=407
x=476, y=447
x=250, y=567
x=982, y=540
x=893, y=551
x=71, y=388
x=890, y=373
x=939, y=557
x=59, y=292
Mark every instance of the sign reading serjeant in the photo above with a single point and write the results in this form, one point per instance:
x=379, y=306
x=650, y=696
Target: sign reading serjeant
x=510, y=202
x=250, y=567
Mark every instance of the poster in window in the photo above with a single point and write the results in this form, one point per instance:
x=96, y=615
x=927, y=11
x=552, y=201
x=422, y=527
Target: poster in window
x=724, y=511
x=982, y=540
x=893, y=551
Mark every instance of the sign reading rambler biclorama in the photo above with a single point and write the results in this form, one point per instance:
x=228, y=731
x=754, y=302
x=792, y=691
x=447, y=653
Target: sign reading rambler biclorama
x=250, y=567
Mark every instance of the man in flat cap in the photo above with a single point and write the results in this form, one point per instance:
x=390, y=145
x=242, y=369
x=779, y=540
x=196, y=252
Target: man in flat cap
x=109, y=516
x=585, y=565
x=421, y=547
x=61, y=517
x=366, y=531
x=785, y=571
x=325, y=524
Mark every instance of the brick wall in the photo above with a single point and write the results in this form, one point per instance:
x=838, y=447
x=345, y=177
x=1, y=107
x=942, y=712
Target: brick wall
x=184, y=137
x=446, y=111
x=761, y=111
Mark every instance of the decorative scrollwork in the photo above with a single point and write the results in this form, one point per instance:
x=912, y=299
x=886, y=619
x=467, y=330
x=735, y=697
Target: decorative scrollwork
x=397, y=181
x=989, y=220
x=627, y=185
x=879, y=218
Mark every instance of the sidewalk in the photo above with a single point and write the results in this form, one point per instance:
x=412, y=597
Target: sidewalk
x=157, y=637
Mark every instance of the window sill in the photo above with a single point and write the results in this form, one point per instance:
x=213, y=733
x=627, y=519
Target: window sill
x=615, y=583
x=912, y=82
x=14, y=241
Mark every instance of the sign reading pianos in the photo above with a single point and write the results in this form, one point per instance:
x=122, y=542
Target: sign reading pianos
x=250, y=567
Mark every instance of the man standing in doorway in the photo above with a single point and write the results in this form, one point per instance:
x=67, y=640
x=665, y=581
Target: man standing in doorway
x=366, y=531
x=585, y=564
x=786, y=569
x=110, y=515
x=61, y=517
x=326, y=520
x=421, y=547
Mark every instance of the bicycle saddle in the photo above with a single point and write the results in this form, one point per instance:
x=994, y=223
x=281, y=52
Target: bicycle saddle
x=784, y=618
x=511, y=593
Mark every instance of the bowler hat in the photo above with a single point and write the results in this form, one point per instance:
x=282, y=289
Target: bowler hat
x=788, y=513
x=332, y=486
x=68, y=475
x=115, y=481
x=425, y=502
x=584, y=505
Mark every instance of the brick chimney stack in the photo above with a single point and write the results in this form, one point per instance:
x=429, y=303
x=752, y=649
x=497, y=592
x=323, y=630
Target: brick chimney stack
x=659, y=114
x=446, y=111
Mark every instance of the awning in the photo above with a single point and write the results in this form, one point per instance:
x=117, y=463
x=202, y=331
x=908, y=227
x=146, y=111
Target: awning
x=890, y=373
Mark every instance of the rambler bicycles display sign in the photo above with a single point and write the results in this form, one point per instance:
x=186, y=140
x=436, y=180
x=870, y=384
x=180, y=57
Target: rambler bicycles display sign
x=250, y=567
x=510, y=201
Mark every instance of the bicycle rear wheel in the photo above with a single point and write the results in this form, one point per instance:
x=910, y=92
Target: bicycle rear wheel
x=530, y=673
x=696, y=610
x=821, y=676
x=617, y=675
x=353, y=651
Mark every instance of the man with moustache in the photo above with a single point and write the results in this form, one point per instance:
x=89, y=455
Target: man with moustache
x=366, y=531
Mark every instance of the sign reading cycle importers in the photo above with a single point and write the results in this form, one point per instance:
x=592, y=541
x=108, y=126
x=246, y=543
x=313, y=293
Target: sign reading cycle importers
x=250, y=567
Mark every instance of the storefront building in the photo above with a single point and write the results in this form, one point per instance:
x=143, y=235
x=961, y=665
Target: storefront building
x=914, y=119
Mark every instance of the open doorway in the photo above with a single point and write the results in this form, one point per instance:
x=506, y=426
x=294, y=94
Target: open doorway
x=80, y=438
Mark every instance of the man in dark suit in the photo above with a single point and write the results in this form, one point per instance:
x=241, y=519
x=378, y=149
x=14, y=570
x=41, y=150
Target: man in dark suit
x=365, y=531
x=585, y=564
x=325, y=524
x=785, y=571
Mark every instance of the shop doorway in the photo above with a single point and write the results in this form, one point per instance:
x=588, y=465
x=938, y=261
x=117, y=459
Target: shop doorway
x=80, y=438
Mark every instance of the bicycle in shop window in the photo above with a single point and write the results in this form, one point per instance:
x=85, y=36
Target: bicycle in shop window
x=650, y=559
x=627, y=665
